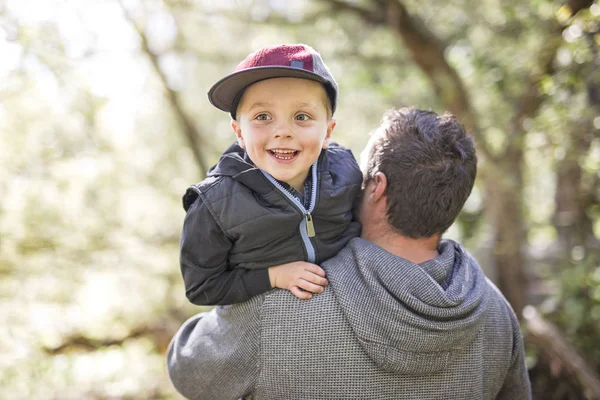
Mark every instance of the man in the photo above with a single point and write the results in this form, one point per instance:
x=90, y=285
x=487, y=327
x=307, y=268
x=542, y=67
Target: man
x=406, y=315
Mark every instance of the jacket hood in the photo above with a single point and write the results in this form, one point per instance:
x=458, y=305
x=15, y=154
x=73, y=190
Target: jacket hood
x=410, y=318
x=232, y=162
x=236, y=163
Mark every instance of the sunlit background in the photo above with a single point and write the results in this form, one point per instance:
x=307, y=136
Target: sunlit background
x=104, y=122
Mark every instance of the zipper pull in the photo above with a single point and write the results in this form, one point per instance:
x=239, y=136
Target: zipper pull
x=310, y=227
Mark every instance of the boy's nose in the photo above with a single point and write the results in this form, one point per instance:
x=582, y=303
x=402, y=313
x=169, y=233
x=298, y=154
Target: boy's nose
x=283, y=130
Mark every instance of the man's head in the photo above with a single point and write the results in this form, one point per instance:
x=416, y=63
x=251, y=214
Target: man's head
x=281, y=99
x=419, y=169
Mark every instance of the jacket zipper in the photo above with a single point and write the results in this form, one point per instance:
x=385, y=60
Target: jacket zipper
x=307, y=227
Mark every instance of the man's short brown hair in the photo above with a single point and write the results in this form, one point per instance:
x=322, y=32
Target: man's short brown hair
x=430, y=165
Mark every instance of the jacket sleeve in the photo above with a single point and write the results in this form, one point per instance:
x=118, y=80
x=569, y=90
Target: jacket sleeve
x=516, y=385
x=214, y=355
x=204, y=263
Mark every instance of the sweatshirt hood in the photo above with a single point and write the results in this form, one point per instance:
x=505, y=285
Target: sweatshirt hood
x=410, y=318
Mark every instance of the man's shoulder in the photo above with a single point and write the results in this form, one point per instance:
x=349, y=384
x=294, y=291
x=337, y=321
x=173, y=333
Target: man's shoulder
x=280, y=308
x=246, y=310
x=348, y=255
x=276, y=306
x=501, y=306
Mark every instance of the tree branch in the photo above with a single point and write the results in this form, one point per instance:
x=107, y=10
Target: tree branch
x=547, y=338
x=428, y=53
x=190, y=131
x=273, y=19
x=227, y=59
x=374, y=16
x=577, y=5
x=532, y=97
x=159, y=334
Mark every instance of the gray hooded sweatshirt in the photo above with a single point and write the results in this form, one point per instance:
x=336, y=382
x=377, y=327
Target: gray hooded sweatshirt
x=385, y=328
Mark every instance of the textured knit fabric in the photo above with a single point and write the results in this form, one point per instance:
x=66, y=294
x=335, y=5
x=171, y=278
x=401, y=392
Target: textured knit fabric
x=238, y=224
x=384, y=328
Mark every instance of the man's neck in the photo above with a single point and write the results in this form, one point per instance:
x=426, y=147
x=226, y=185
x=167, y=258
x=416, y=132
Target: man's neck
x=414, y=250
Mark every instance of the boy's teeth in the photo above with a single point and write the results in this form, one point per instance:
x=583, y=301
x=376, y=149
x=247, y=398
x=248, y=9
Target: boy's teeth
x=283, y=151
x=284, y=154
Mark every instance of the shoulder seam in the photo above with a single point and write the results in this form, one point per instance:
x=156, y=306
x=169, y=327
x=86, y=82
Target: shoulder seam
x=213, y=213
x=219, y=181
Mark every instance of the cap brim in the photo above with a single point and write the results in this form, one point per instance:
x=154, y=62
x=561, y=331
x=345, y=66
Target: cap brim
x=223, y=93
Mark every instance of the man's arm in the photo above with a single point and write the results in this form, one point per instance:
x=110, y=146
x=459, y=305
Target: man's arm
x=516, y=385
x=214, y=355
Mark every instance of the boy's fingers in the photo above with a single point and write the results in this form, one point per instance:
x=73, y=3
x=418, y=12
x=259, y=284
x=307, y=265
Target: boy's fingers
x=311, y=287
x=315, y=269
x=296, y=291
x=316, y=279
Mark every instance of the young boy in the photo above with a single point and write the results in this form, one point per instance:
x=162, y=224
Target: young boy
x=281, y=199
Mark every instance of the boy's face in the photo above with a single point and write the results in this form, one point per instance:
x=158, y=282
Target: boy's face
x=283, y=123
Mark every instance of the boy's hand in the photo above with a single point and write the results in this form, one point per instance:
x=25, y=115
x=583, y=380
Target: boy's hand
x=300, y=278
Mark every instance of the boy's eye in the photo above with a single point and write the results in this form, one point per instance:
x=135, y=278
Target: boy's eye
x=263, y=117
x=302, y=117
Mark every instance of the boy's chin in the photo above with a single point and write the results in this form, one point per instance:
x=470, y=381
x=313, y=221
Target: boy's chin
x=282, y=177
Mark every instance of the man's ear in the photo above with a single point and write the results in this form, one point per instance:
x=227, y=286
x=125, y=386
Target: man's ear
x=380, y=186
x=238, y=133
x=330, y=127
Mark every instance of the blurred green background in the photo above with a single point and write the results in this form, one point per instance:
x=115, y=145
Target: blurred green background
x=104, y=122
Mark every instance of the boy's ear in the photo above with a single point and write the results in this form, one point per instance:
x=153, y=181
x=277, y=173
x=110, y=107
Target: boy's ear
x=238, y=133
x=330, y=127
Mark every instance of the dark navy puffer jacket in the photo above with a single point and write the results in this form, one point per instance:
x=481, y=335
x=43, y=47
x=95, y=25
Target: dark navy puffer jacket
x=240, y=221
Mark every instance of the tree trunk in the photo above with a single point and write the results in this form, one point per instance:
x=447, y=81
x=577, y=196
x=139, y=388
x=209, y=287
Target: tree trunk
x=572, y=224
x=191, y=133
x=502, y=173
x=561, y=356
x=504, y=197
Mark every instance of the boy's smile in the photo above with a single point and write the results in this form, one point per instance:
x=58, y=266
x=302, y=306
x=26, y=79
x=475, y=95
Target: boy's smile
x=283, y=123
x=284, y=154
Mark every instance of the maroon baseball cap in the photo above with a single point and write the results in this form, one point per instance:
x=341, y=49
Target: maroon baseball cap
x=280, y=61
